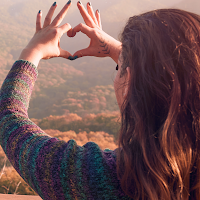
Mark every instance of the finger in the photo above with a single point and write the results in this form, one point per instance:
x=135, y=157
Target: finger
x=71, y=33
x=49, y=16
x=65, y=28
x=91, y=12
x=61, y=14
x=65, y=54
x=98, y=18
x=84, y=52
x=86, y=17
x=83, y=28
x=38, y=21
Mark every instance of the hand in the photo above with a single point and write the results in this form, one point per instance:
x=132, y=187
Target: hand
x=45, y=43
x=101, y=44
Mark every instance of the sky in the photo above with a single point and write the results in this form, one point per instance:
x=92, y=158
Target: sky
x=114, y=14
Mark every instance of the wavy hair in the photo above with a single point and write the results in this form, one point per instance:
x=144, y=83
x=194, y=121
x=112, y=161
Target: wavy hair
x=159, y=154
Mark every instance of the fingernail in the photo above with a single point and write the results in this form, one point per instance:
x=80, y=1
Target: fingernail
x=70, y=58
x=39, y=11
x=69, y=2
x=89, y=3
x=79, y=2
x=98, y=10
x=75, y=57
x=54, y=3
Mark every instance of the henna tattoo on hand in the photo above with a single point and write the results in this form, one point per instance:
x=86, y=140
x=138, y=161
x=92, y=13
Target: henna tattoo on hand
x=105, y=47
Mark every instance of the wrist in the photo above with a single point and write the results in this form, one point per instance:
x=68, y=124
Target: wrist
x=115, y=50
x=31, y=55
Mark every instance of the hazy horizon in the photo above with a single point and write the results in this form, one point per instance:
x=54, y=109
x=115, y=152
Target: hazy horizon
x=71, y=99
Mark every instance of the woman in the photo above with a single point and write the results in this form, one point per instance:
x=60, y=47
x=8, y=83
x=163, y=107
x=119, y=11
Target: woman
x=158, y=91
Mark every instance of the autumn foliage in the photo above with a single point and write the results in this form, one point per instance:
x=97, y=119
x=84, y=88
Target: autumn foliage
x=81, y=129
x=70, y=100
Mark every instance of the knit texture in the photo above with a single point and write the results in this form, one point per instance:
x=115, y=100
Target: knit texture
x=53, y=168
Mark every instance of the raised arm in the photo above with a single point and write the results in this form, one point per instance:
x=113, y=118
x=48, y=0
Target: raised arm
x=45, y=43
x=101, y=44
x=56, y=170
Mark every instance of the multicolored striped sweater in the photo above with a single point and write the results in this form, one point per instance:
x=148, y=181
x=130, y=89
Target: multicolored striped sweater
x=53, y=168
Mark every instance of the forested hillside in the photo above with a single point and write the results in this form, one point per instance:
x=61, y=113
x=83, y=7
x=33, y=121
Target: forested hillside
x=83, y=86
x=71, y=99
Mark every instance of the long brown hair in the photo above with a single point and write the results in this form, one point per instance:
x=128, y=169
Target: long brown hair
x=159, y=156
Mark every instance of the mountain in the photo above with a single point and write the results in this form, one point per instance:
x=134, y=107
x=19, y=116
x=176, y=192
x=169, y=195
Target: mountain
x=59, y=78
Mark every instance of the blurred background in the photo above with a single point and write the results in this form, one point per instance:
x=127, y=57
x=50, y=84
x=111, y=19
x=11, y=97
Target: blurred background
x=82, y=86
x=71, y=99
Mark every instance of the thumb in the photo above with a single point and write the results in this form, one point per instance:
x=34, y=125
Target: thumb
x=64, y=54
x=84, y=52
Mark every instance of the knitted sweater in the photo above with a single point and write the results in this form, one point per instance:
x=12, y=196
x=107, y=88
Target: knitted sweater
x=53, y=168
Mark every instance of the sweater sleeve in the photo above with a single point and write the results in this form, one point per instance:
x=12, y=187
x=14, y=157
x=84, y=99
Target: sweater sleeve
x=53, y=168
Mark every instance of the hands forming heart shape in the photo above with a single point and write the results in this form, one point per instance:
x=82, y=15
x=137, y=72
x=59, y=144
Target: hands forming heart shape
x=45, y=43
